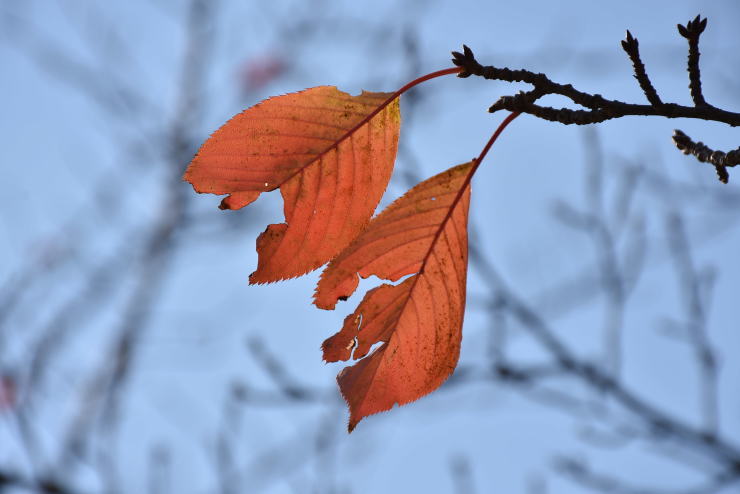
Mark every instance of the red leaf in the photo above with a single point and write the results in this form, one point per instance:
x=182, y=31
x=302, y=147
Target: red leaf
x=261, y=71
x=8, y=393
x=418, y=321
x=331, y=155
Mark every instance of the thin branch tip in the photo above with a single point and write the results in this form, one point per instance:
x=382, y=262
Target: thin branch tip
x=598, y=109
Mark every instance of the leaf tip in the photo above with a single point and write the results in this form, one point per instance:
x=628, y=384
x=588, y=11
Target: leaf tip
x=237, y=200
x=334, y=286
x=351, y=425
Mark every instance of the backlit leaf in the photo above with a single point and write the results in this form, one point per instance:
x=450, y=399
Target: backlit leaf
x=330, y=153
x=418, y=321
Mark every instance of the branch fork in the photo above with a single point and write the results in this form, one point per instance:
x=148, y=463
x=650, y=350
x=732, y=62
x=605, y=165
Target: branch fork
x=599, y=109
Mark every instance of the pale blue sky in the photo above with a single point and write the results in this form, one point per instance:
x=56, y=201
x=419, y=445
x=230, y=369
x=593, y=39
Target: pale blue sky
x=58, y=145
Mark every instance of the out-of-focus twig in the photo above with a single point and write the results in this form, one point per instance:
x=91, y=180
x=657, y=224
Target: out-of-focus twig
x=657, y=422
x=696, y=321
x=580, y=473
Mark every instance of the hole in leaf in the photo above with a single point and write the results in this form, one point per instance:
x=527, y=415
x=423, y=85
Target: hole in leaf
x=354, y=343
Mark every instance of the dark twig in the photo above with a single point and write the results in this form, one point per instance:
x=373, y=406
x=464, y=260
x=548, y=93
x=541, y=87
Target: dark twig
x=705, y=154
x=691, y=31
x=600, y=109
x=631, y=47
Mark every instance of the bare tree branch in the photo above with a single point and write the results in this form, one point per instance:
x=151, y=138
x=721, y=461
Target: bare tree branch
x=600, y=109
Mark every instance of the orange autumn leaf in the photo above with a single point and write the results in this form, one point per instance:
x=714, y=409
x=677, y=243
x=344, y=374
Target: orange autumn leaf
x=418, y=321
x=330, y=153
